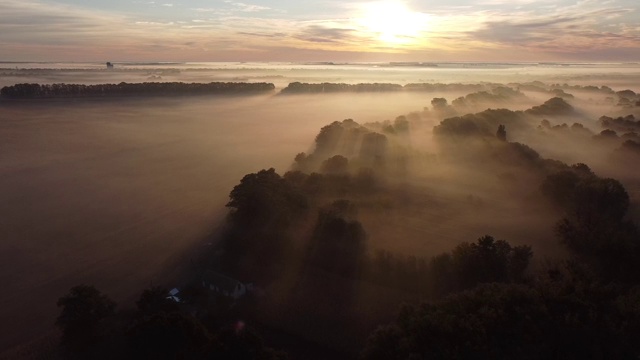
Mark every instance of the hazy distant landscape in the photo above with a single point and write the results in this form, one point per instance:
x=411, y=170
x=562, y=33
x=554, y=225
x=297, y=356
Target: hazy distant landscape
x=622, y=75
x=343, y=180
x=125, y=193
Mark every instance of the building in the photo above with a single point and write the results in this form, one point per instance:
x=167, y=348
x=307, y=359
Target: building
x=173, y=295
x=109, y=65
x=224, y=285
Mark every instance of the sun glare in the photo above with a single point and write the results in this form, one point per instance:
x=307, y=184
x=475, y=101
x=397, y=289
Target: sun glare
x=393, y=22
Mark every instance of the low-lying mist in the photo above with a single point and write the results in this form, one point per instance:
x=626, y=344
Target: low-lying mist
x=121, y=193
x=112, y=192
x=379, y=212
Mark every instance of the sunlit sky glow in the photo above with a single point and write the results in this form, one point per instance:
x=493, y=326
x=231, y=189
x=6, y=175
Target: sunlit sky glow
x=293, y=30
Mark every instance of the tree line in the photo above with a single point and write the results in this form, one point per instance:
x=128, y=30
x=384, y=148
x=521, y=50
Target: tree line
x=583, y=307
x=34, y=91
x=158, y=328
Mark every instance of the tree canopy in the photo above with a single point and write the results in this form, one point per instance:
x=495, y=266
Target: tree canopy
x=83, y=308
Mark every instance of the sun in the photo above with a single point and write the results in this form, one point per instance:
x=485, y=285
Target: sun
x=393, y=22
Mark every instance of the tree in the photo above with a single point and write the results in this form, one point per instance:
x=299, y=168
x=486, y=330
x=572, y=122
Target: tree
x=243, y=343
x=328, y=138
x=374, y=148
x=559, y=187
x=168, y=336
x=336, y=165
x=563, y=319
x=265, y=199
x=263, y=208
x=338, y=243
x=553, y=107
x=488, y=261
x=501, y=134
x=155, y=300
x=598, y=199
x=83, y=308
x=439, y=103
x=594, y=228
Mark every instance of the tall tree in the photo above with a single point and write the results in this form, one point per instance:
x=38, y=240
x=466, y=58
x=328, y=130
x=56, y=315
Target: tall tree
x=83, y=308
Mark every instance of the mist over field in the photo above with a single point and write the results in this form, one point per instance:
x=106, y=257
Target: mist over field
x=123, y=193
x=617, y=75
x=113, y=192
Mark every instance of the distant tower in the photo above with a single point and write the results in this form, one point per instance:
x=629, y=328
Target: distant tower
x=109, y=65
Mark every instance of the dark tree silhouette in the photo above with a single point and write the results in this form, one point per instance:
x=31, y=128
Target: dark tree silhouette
x=33, y=91
x=301, y=88
x=243, y=343
x=336, y=165
x=487, y=261
x=265, y=199
x=338, y=243
x=155, y=300
x=553, y=107
x=552, y=321
x=559, y=187
x=328, y=138
x=263, y=208
x=83, y=309
x=594, y=228
x=168, y=336
x=439, y=103
x=501, y=134
x=465, y=267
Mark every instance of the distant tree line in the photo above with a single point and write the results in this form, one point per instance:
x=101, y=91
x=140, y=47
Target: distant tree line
x=301, y=88
x=587, y=88
x=539, y=87
x=298, y=88
x=427, y=87
x=621, y=123
x=34, y=91
x=555, y=106
x=498, y=95
x=556, y=90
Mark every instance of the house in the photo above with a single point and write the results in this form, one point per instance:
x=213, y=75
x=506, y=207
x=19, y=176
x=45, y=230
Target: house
x=173, y=295
x=224, y=285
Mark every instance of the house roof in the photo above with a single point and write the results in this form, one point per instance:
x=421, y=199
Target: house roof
x=220, y=281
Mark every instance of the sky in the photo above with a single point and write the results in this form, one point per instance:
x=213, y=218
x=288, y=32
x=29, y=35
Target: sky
x=294, y=30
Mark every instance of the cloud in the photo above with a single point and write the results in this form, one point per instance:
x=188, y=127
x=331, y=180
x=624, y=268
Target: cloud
x=513, y=2
x=316, y=33
x=577, y=28
x=247, y=7
x=32, y=22
x=265, y=35
x=37, y=30
x=212, y=11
